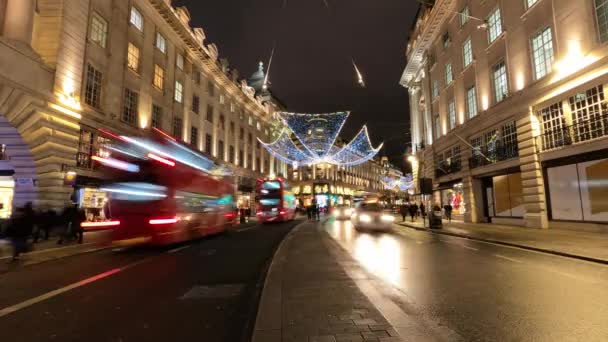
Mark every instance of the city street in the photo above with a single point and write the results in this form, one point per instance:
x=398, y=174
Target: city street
x=480, y=291
x=206, y=290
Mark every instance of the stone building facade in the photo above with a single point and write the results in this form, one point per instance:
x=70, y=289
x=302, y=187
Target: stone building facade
x=508, y=109
x=71, y=67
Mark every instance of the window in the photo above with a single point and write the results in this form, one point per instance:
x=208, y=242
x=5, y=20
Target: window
x=179, y=61
x=448, y=74
x=250, y=160
x=179, y=92
x=464, y=16
x=589, y=114
x=194, y=136
x=530, y=3
x=499, y=79
x=437, y=122
x=249, y=138
x=222, y=99
x=471, y=102
x=178, y=126
x=211, y=89
x=196, y=104
x=136, y=19
x=601, y=10
x=161, y=42
x=157, y=116
x=221, y=154
x=446, y=40
x=231, y=154
x=258, y=165
x=241, y=158
x=129, y=111
x=209, y=113
x=250, y=119
x=159, y=77
x=435, y=89
x=494, y=25
x=509, y=135
x=241, y=133
x=222, y=121
x=231, y=127
x=92, y=94
x=133, y=57
x=452, y=113
x=467, y=52
x=208, y=143
x=98, y=32
x=432, y=59
x=196, y=76
x=258, y=126
x=542, y=53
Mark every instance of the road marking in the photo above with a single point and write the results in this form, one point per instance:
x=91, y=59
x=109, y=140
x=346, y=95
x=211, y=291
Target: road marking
x=245, y=229
x=507, y=258
x=175, y=250
x=11, y=309
x=48, y=250
x=471, y=248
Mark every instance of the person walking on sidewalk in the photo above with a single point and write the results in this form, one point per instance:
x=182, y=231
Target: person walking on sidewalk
x=46, y=223
x=403, y=210
x=73, y=218
x=413, y=211
x=422, y=210
x=21, y=229
x=448, y=211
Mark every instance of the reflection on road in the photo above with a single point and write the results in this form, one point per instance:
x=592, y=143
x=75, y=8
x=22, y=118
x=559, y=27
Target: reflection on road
x=379, y=253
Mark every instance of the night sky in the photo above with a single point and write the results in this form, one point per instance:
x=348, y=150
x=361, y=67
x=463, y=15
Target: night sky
x=312, y=69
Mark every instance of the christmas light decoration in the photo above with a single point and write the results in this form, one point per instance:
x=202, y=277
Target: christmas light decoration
x=402, y=183
x=309, y=139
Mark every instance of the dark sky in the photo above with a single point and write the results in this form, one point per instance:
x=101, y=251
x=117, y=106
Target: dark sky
x=312, y=70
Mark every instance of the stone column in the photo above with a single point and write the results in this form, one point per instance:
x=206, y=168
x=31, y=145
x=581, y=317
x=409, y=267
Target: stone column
x=19, y=20
x=532, y=176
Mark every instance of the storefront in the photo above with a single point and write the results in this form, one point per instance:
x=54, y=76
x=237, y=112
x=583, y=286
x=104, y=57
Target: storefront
x=326, y=195
x=503, y=196
x=452, y=194
x=583, y=183
x=7, y=191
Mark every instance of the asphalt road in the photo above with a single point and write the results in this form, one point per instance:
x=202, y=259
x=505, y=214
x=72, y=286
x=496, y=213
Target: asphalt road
x=207, y=290
x=481, y=291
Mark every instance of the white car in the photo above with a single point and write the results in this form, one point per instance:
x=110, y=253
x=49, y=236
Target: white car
x=372, y=216
x=343, y=212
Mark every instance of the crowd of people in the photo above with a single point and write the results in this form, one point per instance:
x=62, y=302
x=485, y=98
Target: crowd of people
x=419, y=210
x=27, y=227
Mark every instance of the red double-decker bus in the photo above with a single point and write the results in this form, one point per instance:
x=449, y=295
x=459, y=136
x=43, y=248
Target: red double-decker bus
x=163, y=192
x=275, y=201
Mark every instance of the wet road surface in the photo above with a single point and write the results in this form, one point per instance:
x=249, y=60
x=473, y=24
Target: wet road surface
x=481, y=291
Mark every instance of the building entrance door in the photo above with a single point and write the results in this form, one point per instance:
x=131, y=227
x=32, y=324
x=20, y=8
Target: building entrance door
x=7, y=190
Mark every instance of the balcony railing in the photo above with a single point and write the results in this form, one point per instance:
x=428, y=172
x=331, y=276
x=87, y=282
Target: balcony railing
x=487, y=156
x=446, y=167
x=579, y=132
x=84, y=160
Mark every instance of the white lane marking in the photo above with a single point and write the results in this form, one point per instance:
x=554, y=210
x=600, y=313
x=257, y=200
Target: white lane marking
x=48, y=250
x=175, y=250
x=11, y=309
x=245, y=229
x=507, y=258
x=471, y=248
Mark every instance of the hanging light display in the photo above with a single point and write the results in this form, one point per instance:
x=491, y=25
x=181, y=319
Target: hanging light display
x=401, y=183
x=309, y=139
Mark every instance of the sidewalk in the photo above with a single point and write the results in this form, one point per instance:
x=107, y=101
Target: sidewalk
x=309, y=297
x=590, y=246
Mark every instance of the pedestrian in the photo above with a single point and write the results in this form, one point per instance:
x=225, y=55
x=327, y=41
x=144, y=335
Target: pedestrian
x=46, y=222
x=72, y=218
x=448, y=211
x=413, y=211
x=21, y=229
x=403, y=210
x=317, y=212
x=309, y=212
x=422, y=210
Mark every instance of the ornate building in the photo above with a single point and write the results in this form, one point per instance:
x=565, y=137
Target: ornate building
x=508, y=109
x=71, y=67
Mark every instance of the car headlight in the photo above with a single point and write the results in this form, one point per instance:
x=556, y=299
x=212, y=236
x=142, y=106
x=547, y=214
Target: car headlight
x=365, y=218
x=387, y=218
x=348, y=212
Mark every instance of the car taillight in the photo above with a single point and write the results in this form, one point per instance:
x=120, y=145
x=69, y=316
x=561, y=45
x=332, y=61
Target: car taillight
x=158, y=221
x=101, y=224
x=283, y=212
x=230, y=215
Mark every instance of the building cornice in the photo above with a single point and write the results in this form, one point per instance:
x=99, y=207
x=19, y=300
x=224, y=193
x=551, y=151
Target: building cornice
x=439, y=14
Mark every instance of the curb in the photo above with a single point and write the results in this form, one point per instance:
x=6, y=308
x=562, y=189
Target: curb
x=509, y=244
x=268, y=321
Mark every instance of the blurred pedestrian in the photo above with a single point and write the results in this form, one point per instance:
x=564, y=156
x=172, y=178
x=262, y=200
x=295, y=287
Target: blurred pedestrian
x=309, y=212
x=403, y=210
x=21, y=228
x=448, y=211
x=46, y=222
x=72, y=218
x=413, y=211
x=422, y=210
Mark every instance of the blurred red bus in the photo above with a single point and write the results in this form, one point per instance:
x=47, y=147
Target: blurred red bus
x=164, y=193
x=275, y=200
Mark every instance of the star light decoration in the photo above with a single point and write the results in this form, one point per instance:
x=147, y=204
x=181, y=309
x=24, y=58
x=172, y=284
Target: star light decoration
x=309, y=139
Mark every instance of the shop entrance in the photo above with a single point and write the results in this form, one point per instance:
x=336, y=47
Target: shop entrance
x=7, y=191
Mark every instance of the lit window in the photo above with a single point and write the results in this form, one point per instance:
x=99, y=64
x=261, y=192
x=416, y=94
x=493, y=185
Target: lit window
x=446, y=40
x=131, y=102
x=542, y=53
x=258, y=126
x=499, y=78
x=448, y=74
x=452, y=113
x=250, y=119
x=435, y=89
x=222, y=99
x=464, y=16
x=494, y=25
x=179, y=92
x=471, y=102
x=467, y=52
x=133, y=57
x=157, y=116
x=99, y=30
x=601, y=10
x=92, y=94
x=161, y=42
x=531, y=3
x=159, y=77
x=180, y=61
x=137, y=19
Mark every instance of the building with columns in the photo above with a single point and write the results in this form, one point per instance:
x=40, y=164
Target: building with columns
x=508, y=109
x=71, y=67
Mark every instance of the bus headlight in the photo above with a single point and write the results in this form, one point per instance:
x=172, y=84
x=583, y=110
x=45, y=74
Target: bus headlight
x=387, y=218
